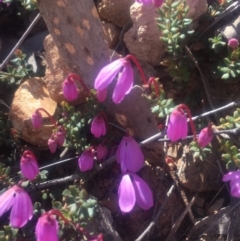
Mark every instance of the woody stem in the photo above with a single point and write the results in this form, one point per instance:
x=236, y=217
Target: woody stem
x=50, y=117
x=139, y=67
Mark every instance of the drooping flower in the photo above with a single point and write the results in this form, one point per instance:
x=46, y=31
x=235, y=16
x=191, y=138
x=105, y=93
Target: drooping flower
x=234, y=178
x=177, y=126
x=205, y=136
x=61, y=135
x=233, y=43
x=98, y=127
x=156, y=3
x=129, y=155
x=102, y=151
x=70, y=91
x=85, y=161
x=36, y=119
x=22, y=208
x=102, y=95
x=133, y=189
x=52, y=143
x=124, y=82
x=47, y=228
x=29, y=166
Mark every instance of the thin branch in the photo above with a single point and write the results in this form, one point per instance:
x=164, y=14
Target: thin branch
x=179, y=220
x=20, y=41
x=153, y=223
x=232, y=104
x=47, y=184
x=216, y=222
x=204, y=80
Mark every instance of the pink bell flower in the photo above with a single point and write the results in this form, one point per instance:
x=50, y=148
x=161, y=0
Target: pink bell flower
x=98, y=127
x=36, y=119
x=205, y=136
x=29, y=166
x=86, y=160
x=156, y=3
x=52, y=143
x=177, y=126
x=61, y=136
x=102, y=151
x=234, y=178
x=70, y=91
x=102, y=95
x=123, y=68
x=233, y=43
x=17, y=199
x=129, y=155
x=133, y=189
x=47, y=228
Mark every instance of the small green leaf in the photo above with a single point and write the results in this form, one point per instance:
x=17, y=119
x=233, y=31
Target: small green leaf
x=226, y=157
x=225, y=76
x=44, y=196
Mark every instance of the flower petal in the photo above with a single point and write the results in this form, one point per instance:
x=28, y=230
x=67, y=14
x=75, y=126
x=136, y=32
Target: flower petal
x=144, y=197
x=126, y=194
x=107, y=74
x=121, y=155
x=235, y=188
x=124, y=83
x=231, y=176
x=22, y=209
x=6, y=200
x=129, y=155
x=135, y=157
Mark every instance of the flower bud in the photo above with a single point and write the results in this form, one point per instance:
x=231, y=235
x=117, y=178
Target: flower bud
x=233, y=43
x=36, y=119
x=98, y=127
x=177, y=126
x=52, y=143
x=70, y=91
x=101, y=151
x=29, y=166
x=86, y=160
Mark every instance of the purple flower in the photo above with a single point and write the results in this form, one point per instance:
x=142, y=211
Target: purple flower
x=52, y=143
x=156, y=3
x=129, y=155
x=70, y=91
x=205, y=136
x=177, y=126
x=98, y=127
x=102, y=95
x=85, y=161
x=21, y=204
x=47, y=228
x=133, y=189
x=102, y=151
x=234, y=178
x=124, y=82
x=29, y=166
x=61, y=135
x=36, y=119
x=233, y=43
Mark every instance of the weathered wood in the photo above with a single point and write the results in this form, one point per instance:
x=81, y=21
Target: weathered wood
x=77, y=31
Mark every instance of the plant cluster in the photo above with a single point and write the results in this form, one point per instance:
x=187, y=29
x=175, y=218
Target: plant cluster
x=17, y=70
x=73, y=213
